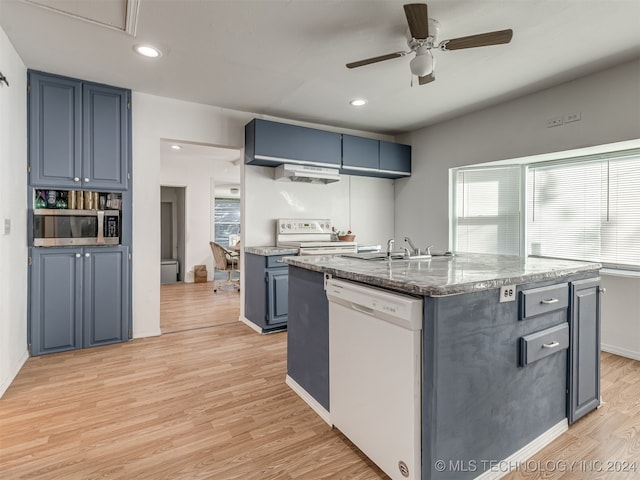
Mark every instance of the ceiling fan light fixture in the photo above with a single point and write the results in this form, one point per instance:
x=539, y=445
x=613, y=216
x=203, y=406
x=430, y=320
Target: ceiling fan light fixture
x=358, y=102
x=422, y=64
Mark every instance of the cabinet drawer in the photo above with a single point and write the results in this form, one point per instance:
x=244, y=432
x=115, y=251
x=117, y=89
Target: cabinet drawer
x=275, y=261
x=537, y=301
x=541, y=344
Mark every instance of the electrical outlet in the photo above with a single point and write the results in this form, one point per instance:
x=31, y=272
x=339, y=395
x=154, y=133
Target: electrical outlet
x=572, y=117
x=554, y=122
x=6, y=226
x=507, y=293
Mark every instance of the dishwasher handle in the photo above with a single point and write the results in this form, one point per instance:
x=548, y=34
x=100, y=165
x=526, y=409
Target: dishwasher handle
x=362, y=309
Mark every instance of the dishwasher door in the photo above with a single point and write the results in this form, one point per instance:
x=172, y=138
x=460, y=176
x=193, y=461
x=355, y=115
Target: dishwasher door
x=375, y=365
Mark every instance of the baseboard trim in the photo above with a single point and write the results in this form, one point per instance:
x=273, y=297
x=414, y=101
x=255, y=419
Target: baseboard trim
x=309, y=400
x=6, y=383
x=250, y=324
x=150, y=333
x=521, y=456
x=623, y=352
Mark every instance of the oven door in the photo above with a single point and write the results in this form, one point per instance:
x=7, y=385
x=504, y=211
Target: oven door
x=330, y=250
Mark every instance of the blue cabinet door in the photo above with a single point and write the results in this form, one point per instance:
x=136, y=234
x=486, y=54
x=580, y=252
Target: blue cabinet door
x=272, y=143
x=584, y=356
x=106, y=295
x=395, y=159
x=55, y=317
x=55, y=130
x=360, y=155
x=105, y=137
x=277, y=295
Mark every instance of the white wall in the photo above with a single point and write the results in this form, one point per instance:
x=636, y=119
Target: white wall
x=609, y=102
x=361, y=204
x=13, y=194
x=620, y=330
x=156, y=118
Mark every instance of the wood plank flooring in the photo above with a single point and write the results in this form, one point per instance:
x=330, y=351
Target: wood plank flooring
x=211, y=403
x=186, y=306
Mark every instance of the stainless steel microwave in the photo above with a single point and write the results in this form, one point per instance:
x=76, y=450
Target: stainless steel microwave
x=62, y=227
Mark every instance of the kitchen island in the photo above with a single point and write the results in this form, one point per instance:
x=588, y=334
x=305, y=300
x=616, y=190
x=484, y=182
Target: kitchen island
x=499, y=379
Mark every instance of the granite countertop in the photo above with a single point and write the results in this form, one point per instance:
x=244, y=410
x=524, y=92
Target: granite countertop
x=442, y=275
x=270, y=250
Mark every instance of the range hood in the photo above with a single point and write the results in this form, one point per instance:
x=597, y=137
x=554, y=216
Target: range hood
x=305, y=173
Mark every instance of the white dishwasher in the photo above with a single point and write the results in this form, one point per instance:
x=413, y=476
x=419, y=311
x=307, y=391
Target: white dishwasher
x=375, y=365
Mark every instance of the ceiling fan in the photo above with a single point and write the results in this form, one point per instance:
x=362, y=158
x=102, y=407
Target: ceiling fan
x=422, y=38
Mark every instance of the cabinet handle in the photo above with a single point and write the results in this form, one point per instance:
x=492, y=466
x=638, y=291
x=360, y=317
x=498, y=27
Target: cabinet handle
x=76, y=179
x=549, y=301
x=77, y=255
x=602, y=290
x=553, y=344
x=87, y=255
x=86, y=180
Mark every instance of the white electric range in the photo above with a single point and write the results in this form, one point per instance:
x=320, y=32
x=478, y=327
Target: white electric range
x=311, y=237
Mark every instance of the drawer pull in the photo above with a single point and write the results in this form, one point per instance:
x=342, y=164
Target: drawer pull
x=553, y=344
x=549, y=301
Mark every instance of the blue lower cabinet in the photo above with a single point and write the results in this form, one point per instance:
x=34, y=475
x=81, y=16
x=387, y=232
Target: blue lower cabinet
x=266, y=300
x=55, y=300
x=79, y=297
x=106, y=296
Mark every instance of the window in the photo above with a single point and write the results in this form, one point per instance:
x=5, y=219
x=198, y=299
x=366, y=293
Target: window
x=226, y=217
x=586, y=209
x=486, y=210
x=582, y=208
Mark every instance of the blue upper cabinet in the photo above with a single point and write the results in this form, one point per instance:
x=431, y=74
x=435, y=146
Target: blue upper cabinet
x=271, y=143
x=375, y=158
x=55, y=130
x=79, y=133
x=395, y=159
x=360, y=155
x=105, y=137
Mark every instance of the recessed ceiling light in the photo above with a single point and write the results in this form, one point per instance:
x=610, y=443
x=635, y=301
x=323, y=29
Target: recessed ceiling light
x=176, y=147
x=358, y=102
x=147, y=51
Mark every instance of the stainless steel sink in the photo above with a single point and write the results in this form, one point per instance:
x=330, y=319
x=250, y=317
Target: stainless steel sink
x=381, y=256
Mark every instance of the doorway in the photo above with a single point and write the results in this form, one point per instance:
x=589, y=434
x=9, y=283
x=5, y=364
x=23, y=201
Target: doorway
x=172, y=234
x=191, y=176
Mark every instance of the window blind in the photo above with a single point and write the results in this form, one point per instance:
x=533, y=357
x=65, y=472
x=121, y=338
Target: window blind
x=486, y=213
x=586, y=210
x=226, y=217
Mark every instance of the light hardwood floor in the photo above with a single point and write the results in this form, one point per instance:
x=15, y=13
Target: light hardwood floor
x=211, y=403
x=186, y=306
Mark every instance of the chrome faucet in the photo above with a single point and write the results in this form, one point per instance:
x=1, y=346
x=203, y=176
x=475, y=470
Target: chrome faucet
x=416, y=251
x=390, y=243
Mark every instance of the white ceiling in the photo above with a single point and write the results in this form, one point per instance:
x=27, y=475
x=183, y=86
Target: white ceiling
x=286, y=58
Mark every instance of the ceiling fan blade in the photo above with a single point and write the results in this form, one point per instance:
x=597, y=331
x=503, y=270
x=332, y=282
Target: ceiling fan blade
x=426, y=79
x=418, y=20
x=480, y=40
x=381, y=58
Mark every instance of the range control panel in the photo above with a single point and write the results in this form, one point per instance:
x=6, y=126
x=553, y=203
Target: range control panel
x=305, y=225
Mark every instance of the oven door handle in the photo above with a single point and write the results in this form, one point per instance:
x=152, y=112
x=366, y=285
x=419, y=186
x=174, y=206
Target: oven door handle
x=100, y=237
